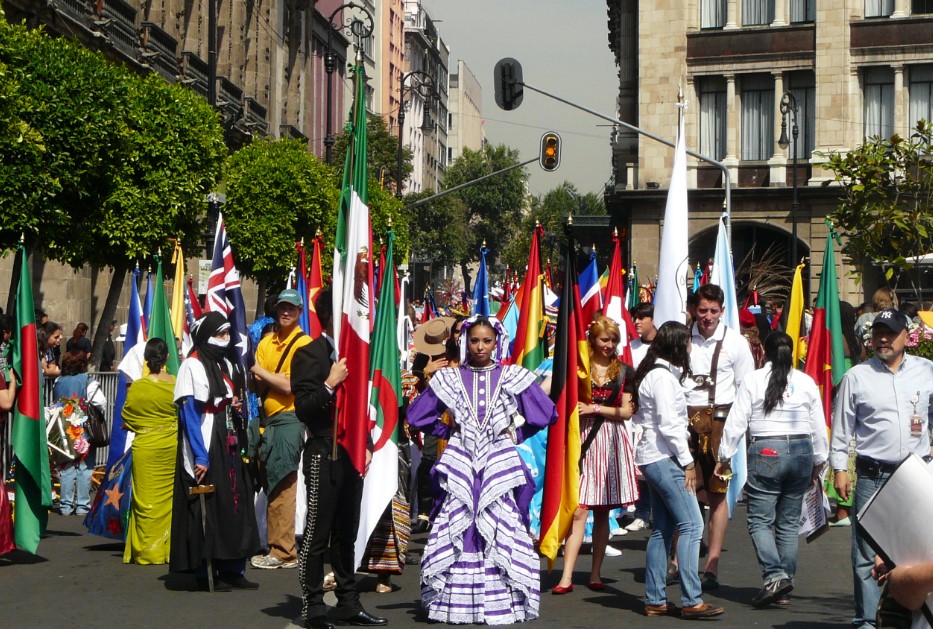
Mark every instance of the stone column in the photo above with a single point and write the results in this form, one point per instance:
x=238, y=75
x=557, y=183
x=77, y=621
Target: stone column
x=732, y=15
x=901, y=102
x=732, y=130
x=900, y=9
x=780, y=13
x=778, y=161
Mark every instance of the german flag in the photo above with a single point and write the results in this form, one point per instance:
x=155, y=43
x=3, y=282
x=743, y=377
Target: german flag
x=570, y=383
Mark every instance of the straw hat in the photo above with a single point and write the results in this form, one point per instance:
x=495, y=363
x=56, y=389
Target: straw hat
x=430, y=338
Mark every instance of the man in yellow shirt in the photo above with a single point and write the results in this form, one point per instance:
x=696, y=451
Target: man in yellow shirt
x=283, y=434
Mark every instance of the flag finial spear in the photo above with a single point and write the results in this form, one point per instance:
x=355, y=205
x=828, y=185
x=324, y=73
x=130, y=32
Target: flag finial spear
x=390, y=222
x=594, y=247
x=318, y=233
x=22, y=237
x=570, y=219
x=615, y=232
x=484, y=243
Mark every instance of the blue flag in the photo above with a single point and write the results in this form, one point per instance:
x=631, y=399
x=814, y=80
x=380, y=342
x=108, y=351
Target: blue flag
x=481, y=287
x=147, y=306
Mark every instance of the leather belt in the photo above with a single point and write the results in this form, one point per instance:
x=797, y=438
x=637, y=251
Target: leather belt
x=867, y=466
x=779, y=438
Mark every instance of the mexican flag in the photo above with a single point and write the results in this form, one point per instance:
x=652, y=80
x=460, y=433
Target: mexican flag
x=30, y=451
x=825, y=351
x=381, y=481
x=352, y=287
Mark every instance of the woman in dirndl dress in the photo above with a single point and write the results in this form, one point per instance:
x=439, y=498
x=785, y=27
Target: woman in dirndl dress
x=607, y=469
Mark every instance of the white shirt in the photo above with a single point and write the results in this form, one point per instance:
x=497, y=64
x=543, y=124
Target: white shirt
x=133, y=366
x=639, y=350
x=735, y=362
x=801, y=413
x=662, y=418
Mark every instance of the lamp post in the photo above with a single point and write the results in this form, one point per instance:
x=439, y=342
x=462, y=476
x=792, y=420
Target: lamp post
x=354, y=24
x=789, y=105
x=424, y=88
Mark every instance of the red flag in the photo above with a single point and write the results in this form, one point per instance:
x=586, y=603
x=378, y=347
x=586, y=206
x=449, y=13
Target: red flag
x=615, y=302
x=315, y=284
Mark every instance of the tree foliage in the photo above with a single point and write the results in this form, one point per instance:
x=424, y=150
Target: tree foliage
x=886, y=210
x=551, y=210
x=494, y=207
x=439, y=229
x=382, y=147
x=277, y=193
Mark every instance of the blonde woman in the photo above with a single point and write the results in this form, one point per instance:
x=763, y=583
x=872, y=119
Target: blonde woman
x=607, y=468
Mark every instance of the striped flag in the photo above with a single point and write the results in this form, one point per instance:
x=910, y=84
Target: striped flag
x=352, y=286
x=147, y=304
x=304, y=316
x=178, y=293
x=615, y=302
x=591, y=296
x=569, y=384
x=30, y=451
x=160, y=323
x=530, y=347
x=224, y=295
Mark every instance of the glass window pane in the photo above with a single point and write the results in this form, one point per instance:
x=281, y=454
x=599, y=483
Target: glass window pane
x=757, y=117
x=921, y=94
x=878, y=96
x=757, y=12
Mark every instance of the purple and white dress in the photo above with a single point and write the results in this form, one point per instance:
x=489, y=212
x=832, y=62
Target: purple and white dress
x=480, y=565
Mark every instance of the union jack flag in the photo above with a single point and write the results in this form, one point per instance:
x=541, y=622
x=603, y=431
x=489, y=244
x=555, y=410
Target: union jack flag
x=225, y=296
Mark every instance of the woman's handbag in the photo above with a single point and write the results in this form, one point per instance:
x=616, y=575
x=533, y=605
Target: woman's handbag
x=98, y=433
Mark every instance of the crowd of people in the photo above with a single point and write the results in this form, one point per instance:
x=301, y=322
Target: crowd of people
x=658, y=432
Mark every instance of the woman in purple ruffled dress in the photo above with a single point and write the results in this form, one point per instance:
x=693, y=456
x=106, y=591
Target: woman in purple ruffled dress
x=480, y=564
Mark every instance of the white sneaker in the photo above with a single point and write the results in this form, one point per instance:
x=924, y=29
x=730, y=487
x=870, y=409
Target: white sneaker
x=268, y=562
x=619, y=532
x=612, y=551
x=637, y=525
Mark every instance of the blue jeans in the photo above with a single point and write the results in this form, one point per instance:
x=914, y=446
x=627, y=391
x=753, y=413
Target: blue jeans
x=867, y=592
x=643, y=504
x=775, y=488
x=674, y=509
x=75, y=474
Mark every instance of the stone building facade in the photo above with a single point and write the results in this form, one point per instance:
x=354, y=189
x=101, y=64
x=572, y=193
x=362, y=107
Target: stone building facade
x=465, y=119
x=856, y=68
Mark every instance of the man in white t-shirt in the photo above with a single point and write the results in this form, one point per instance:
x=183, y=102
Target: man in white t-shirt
x=643, y=317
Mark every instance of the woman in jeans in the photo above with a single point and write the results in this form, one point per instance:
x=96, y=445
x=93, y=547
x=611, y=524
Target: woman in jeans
x=781, y=409
x=663, y=456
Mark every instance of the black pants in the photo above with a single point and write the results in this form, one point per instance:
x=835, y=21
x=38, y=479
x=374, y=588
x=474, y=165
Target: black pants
x=425, y=484
x=335, y=490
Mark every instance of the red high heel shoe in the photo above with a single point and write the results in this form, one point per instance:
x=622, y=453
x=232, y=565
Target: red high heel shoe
x=561, y=589
x=597, y=586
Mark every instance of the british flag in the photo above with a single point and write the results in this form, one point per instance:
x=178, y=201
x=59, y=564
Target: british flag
x=225, y=296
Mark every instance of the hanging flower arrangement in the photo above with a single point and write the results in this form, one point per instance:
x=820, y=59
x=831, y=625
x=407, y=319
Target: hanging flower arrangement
x=67, y=438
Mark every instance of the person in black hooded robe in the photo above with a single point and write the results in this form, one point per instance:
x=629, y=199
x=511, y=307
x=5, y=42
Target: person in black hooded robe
x=210, y=441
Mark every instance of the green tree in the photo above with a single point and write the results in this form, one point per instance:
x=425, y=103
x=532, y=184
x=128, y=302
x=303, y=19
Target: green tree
x=277, y=193
x=494, y=207
x=551, y=210
x=440, y=229
x=382, y=147
x=886, y=210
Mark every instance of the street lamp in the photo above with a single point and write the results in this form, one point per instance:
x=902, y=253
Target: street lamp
x=425, y=89
x=354, y=24
x=789, y=105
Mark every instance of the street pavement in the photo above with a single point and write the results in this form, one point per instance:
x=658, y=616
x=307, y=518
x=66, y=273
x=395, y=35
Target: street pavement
x=80, y=580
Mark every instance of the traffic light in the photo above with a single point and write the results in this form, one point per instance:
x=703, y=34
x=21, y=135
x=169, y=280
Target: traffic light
x=508, y=84
x=550, y=151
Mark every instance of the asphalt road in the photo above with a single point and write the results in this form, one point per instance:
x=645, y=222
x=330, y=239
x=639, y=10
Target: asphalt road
x=80, y=580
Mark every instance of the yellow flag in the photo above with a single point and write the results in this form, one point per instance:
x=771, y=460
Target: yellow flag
x=178, y=292
x=795, y=314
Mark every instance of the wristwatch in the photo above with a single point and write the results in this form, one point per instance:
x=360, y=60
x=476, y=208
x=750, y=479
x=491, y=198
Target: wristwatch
x=690, y=465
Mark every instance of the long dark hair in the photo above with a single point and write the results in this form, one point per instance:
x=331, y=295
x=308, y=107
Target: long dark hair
x=779, y=350
x=848, y=319
x=672, y=344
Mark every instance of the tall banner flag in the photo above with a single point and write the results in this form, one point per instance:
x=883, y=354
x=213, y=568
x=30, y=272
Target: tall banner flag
x=569, y=385
x=178, y=293
x=481, y=286
x=794, y=315
x=381, y=481
x=530, y=347
x=634, y=290
x=160, y=324
x=825, y=352
x=615, y=301
x=224, y=295
x=670, y=297
x=33, y=493
x=147, y=304
x=352, y=286
x=304, y=317
x=724, y=277
x=697, y=278
x=590, y=295
x=315, y=285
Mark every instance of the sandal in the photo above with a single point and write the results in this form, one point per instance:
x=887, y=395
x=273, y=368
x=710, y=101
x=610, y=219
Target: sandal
x=330, y=583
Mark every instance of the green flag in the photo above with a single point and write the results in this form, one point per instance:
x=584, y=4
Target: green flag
x=160, y=321
x=30, y=451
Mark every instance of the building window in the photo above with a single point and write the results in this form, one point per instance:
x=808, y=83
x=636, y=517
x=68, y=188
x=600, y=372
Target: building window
x=713, y=13
x=450, y=121
x=921, y=94
x=712, y=96
x=757, y=117
x=802, y=86
x=879, y=8
x=878, y=95
x=757, y=12
x=802, y=11
x=450, y=154
x=921, y=6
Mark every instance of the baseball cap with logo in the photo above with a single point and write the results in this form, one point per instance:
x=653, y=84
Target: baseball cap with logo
x=892, y=319
x=289, y=296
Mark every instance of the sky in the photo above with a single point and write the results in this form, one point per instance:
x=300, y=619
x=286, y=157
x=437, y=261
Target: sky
x=564, y=49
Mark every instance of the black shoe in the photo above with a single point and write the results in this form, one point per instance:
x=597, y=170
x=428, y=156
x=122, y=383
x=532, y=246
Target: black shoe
x=219, y=586
x=363, y=619
x=237, y=582
x=709, y=581
x=319, y=622
x=421, y=526
x=772, y=592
